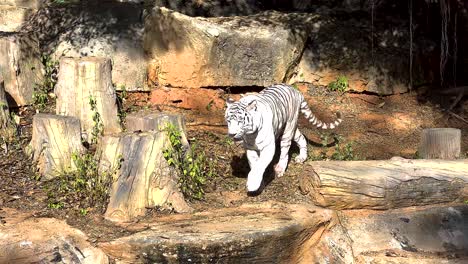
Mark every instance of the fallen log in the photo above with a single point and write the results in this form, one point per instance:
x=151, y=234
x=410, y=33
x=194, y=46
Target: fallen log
x=54, y=140
x=385, y=184
x=252, y=233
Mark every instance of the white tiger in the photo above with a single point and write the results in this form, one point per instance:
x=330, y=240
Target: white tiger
x=258, y=120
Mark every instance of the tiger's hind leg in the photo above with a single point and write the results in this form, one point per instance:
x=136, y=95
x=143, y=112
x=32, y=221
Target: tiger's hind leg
x=285, y=144
x=302, y=144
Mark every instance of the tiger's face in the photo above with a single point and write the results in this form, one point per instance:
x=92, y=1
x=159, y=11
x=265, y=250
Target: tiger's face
x=239, y=119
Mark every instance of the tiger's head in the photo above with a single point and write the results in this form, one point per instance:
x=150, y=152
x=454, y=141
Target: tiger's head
x=240, y=118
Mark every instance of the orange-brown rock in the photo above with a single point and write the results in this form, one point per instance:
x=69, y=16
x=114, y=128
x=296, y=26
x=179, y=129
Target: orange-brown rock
x=256, y=50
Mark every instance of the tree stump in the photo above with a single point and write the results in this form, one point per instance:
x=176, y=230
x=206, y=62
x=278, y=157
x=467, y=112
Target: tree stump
x=54, y=139
x=385, y=184
x=155, y=122
x=143, y=178
x=440, y=143
x=5, y=120
x=20, y=66
x=7, y=127
x=79, y=81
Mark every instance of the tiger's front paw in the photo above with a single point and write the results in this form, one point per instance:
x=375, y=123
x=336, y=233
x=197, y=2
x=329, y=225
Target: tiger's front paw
x=300, y=159
x=279, y=170
x=254, y=182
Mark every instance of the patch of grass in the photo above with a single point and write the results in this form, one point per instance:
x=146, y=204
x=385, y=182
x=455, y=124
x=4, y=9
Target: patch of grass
x=82, y=188
x=41, y=90
x=339, y=85
x=192, y=164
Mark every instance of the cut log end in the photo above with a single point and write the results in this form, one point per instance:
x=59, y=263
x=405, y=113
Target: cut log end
x=440, y=143
x=54, y=140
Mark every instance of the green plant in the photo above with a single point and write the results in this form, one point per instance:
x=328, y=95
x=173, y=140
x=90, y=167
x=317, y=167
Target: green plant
x=121, y=98
x=343, y=152
x=41, y=90
x=210, y=105
x=192, y=164
x=83, y=187
x=339, y=85
x=228, y=141
x=55, y=205
x=98, y=127
x=340, y=152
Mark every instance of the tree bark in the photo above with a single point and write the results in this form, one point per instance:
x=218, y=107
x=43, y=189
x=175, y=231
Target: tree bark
x=20, y=66
x=440, y=143
x=155, y=122
x=252, y=233
x=7, y=126
x=81, y=79
x=143, y=178
x=385, y=184
x=4, y=112
x=54, y=139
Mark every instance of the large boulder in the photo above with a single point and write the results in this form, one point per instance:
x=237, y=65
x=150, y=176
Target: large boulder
x=108, y=29
x=256, y=50
x=24, y=239
x=34, y=4
x=255, y=233
x=14, y=13
x=413, y=235
x=20, y=66
x=12, y=17
x=343, y=46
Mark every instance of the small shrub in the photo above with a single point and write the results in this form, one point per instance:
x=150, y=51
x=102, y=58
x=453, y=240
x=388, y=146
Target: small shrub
x=82, y=188
x=121, y=98
x=193, y=166
x=339, y=85
x=341, y=151
x=98, y=127
x=42, y=90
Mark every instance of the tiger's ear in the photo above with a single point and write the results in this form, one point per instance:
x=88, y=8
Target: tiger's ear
x=229, y=101
x=252, y=106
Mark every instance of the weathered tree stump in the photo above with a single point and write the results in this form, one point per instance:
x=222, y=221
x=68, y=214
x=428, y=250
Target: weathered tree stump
x=79, y=81
x=20, y=66
x=54, y=139
x=253, y=233
x=155, y=122
x=385, y=184
x=7, y=126
x=440, y=143
x=143, y=178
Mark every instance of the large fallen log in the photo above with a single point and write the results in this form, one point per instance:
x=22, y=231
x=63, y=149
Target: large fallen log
x=84, y=90
x=54, y=140
x=143, y=178
x=385, y=184
x=252, y=233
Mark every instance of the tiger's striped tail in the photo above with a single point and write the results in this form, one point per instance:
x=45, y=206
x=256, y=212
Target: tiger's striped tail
x=315, y=121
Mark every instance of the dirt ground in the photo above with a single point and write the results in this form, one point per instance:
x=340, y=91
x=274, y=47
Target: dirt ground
x=376, y=127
